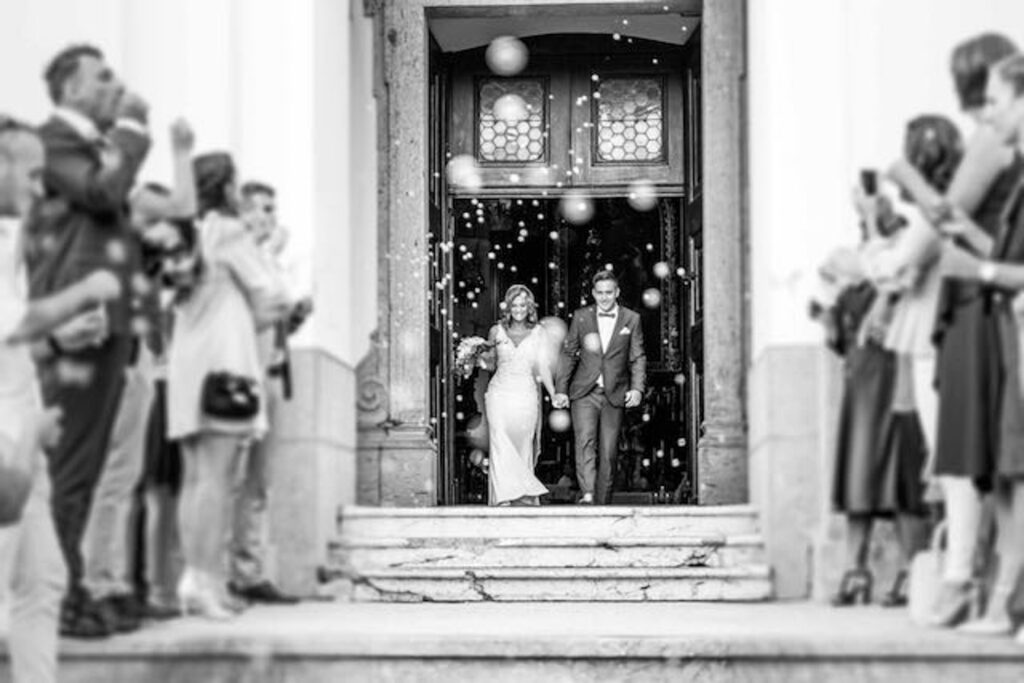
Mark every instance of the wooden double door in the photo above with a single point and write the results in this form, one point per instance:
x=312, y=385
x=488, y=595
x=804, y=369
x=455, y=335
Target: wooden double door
x=617, y=124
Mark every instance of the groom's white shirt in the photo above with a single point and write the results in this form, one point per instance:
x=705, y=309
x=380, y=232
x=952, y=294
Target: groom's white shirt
x=605, y=327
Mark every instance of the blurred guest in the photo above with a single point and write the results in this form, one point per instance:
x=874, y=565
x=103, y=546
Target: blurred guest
x=106, y=541
x=248, y=548
x=969, y=377
x=860, y=314
x=216, y=404
x=903, y=267
x=1001, y=271
x=95, y=143
x=31, y=564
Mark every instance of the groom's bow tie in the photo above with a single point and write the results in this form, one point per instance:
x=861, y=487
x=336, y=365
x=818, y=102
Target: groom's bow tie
x=605, y=315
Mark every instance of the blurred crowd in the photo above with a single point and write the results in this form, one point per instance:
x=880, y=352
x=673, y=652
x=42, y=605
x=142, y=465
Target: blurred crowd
x=927, y=314
x=144, y=352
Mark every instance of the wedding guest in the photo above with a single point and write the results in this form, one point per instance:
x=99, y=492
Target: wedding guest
x=1001, y=272
x=95, y=142
x=214, y=393
x=107, y=543
x=512, y=402
x=248, y=548
x=903, y=266
x=31, y=564
x=968, y=375
x=859, y=316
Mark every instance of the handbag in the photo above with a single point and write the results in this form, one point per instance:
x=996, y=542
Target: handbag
x=228, y=396
x=925, y=579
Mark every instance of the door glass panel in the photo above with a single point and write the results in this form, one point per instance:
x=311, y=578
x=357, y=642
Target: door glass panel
x=511, y=120
x=630, y=120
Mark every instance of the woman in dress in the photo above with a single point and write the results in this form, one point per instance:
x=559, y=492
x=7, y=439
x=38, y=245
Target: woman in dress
x=512, y=403
x=1001, y=272
x=968, y=376
x=236, y=295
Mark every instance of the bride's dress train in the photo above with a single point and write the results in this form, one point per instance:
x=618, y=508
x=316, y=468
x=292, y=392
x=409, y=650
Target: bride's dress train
x=513, y=410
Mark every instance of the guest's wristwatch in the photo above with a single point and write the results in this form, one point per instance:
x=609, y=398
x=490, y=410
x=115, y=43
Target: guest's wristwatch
x=987, y=272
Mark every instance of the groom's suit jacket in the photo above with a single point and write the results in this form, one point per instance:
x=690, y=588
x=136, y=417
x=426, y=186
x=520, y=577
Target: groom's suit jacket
x=623, y=364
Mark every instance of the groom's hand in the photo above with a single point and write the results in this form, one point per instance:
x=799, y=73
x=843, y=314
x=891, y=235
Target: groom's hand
x=560, y=401
x=633, y=398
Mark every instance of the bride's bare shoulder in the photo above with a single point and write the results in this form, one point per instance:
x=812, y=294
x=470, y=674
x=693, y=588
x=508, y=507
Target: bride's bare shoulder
x=493, y=334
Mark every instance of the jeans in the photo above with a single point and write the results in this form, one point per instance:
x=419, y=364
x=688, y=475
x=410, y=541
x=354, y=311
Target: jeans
x=32, y=569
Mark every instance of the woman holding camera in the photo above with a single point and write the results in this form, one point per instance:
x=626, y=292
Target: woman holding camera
x=214, y=389
x=881, y=458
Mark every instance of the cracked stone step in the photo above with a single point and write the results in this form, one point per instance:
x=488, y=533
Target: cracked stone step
x=550, y=522
x=746, y=584
x=367, y=553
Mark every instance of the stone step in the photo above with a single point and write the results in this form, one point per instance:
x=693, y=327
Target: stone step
x=548, y=521
x=380, y=553
x=655, y=642
x=551, y=584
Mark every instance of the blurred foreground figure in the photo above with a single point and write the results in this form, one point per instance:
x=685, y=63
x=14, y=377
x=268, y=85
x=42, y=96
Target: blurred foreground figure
x=95, y=142
x=31, y=564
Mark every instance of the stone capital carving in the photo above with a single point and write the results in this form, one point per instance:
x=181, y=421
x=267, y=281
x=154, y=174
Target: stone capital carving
x=372, y=391
x=373, y=8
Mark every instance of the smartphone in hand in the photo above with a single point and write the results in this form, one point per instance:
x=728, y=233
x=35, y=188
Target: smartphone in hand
x=869, y=181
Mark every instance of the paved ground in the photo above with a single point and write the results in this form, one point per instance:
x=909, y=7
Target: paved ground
x=551, y=629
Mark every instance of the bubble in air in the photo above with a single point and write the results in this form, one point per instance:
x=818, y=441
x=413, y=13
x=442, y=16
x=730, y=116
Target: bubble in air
x=74, y=373
x=652, y=298
x=464, y=172
x=661, y=270
x=116, y=251
x=592, y=342
x=642, y=195
x=511, y=108
x=506, y=56
x=576, y=207
x=559, y=421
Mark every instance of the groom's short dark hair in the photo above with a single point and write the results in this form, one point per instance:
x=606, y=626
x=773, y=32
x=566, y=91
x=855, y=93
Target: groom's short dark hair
x=604, y=275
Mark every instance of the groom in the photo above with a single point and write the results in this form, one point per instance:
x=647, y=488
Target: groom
x=602, y=371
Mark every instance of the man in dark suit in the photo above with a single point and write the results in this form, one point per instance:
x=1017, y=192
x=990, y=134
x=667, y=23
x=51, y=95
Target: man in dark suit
x=95, y=143
x=602, y=371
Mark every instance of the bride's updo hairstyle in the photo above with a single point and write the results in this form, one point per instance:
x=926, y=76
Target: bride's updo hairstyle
x=531, y=305
x=934, y=147
x=970, y=64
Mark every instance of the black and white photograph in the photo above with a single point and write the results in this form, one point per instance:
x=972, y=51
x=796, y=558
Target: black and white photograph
x=499, y=340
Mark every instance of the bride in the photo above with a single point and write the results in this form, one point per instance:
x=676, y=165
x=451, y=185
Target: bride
x=512, y=401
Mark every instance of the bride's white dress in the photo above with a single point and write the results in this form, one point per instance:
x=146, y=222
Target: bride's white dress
x=513, y=408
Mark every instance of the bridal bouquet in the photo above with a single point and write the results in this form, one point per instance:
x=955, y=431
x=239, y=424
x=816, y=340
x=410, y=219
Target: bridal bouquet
x=469, y=353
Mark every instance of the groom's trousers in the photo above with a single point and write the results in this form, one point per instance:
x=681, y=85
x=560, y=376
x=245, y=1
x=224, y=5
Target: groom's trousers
x=596, y=424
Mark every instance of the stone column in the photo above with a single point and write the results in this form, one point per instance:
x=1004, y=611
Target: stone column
x=397, y=458
x=722, y=451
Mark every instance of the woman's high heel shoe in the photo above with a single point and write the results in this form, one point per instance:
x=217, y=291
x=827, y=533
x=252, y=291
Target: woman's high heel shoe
x=953, y=605
x=197, y=596
x=897, y=595
x=854, y=589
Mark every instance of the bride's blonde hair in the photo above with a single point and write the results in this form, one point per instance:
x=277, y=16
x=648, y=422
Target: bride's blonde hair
x=531, y=305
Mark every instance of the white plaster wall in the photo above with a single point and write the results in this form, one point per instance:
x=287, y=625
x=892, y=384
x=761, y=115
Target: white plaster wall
x=270, y=81
x=832, y=83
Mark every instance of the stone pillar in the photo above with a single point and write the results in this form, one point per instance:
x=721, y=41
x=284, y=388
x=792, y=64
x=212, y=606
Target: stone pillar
x=722, y=451
x=397, y=457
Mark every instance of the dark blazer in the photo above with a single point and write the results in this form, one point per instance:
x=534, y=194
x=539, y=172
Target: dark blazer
x=71, y=230
x=623, y=364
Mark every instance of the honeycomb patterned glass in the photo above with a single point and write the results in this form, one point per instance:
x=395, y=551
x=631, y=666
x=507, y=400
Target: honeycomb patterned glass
x=521, y=138
x=630, y=120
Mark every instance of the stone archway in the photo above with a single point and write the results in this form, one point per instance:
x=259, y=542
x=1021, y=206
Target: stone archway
x=397, y=463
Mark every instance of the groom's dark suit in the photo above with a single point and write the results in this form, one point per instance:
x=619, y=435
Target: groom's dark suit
x=596, y=378
x=81, y=225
